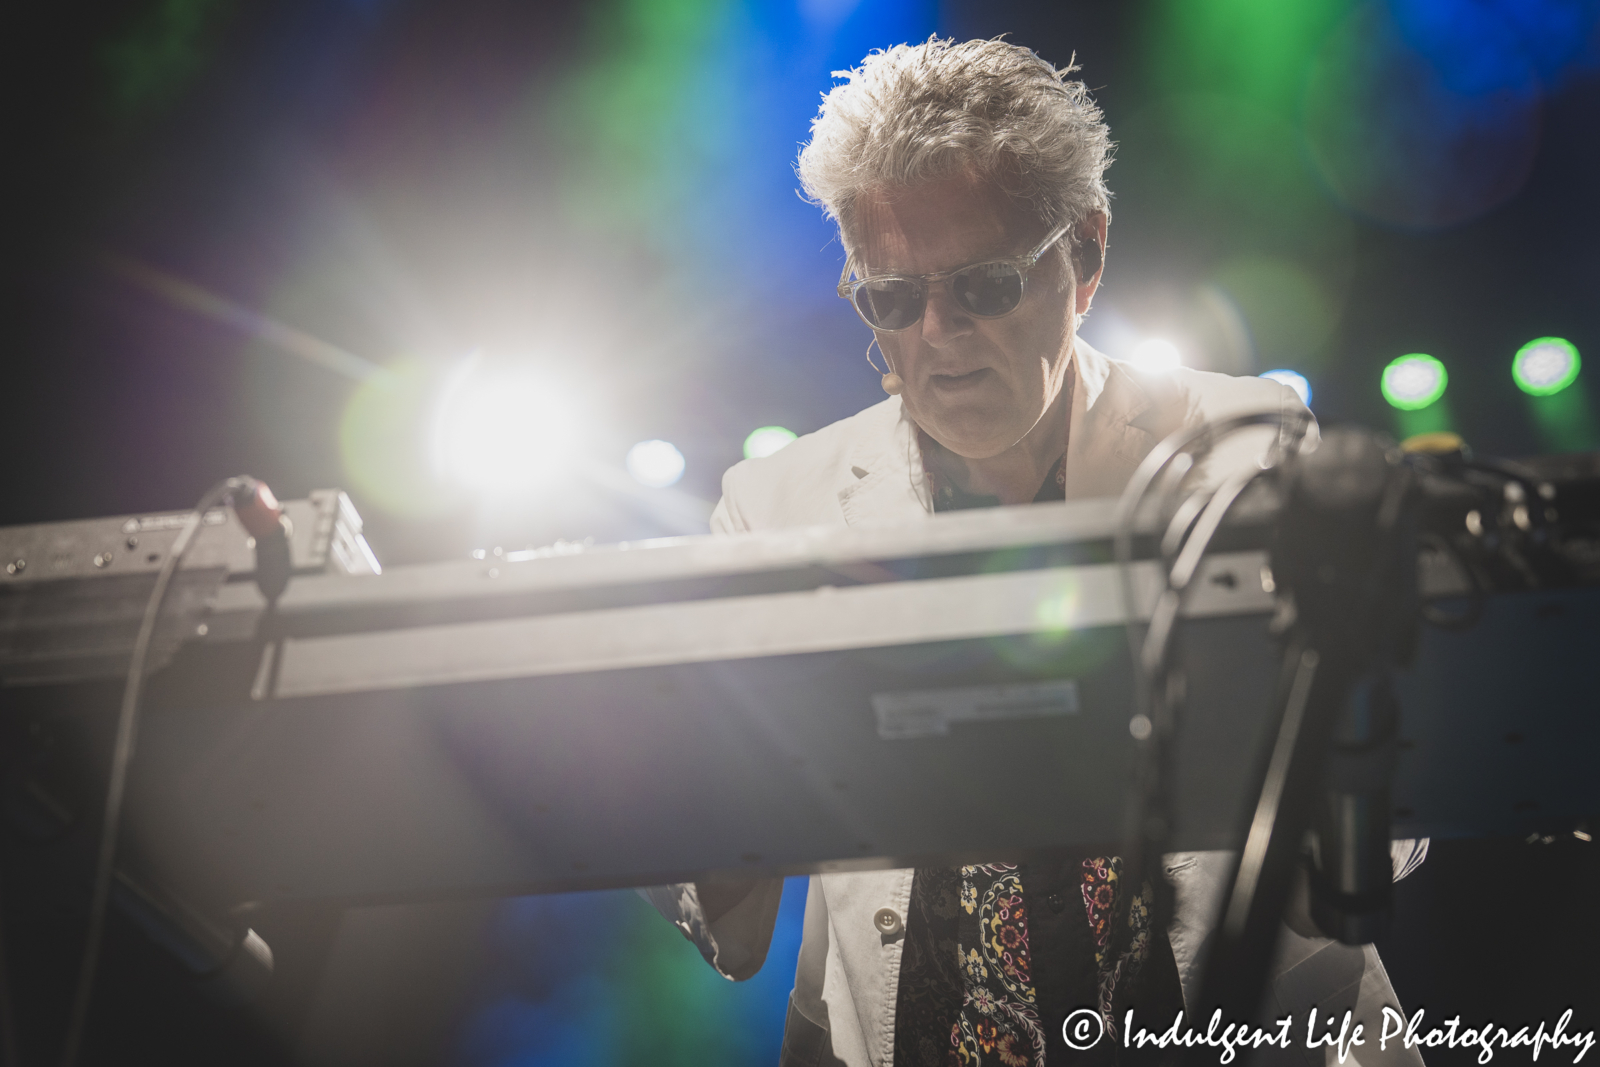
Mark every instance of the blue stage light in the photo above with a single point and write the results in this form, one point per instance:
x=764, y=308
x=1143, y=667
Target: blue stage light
x=1294, y=380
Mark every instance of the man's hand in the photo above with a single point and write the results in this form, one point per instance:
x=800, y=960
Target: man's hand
x=719, y=898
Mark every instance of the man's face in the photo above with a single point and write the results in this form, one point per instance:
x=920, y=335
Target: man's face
x=977, y=386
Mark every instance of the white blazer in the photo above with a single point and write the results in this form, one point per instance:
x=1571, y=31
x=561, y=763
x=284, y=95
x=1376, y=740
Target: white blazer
x=867, y=469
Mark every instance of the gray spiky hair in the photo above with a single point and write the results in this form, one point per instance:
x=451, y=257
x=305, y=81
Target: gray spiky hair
x=920, y=113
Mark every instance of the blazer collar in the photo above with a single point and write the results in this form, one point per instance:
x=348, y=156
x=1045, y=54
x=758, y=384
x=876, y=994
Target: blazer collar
x=884, y=481
x=1112, y=412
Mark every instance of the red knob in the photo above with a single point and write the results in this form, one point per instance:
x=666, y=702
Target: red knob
x=259, y=513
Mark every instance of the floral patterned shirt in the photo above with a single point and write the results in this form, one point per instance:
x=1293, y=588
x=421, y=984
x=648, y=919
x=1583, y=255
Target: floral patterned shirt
x=968, y=994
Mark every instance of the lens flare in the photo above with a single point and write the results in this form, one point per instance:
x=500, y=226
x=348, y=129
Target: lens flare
x=655, y=464
x=1156, y=356
x=1414, y=381
x=1460, y=138
x=386, y=460
x=502, y=428
x=1545, y=366
x=1289, y=310
x=1057, y=607
x=1294, y=380
x=767, y=440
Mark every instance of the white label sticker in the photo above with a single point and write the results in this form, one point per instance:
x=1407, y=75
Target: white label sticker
x=149, y=523
x=931, y=712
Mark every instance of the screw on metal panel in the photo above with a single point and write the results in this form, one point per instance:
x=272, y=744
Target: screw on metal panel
x=102, y=559
x=16, y=566
x=202, y=630
x=132, y=542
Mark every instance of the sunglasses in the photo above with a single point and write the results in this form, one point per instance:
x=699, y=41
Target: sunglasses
x=986, y=290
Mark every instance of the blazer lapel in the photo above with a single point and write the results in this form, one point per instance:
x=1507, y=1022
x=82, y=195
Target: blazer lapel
x=1109, y=435
x=1116, y=420
x=883, y=479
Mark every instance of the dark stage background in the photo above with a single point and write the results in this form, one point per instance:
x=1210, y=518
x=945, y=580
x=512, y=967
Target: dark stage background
x=264, y=237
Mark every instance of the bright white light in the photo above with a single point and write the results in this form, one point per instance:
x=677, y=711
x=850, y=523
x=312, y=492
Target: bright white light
x=656, y=464
x=1294, y=380
x=765, y=441
x=1414, y=381
x=505, y=428
x=1546, y=364
x=1156, y=356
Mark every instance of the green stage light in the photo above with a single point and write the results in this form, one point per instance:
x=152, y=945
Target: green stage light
x=1545, y=366
x=1414, y=381
x=765, y=441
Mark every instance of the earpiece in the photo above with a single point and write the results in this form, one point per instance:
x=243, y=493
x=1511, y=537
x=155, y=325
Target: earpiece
x=893, y=384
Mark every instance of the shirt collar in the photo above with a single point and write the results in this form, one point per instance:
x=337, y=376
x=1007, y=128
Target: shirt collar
x=884, y=480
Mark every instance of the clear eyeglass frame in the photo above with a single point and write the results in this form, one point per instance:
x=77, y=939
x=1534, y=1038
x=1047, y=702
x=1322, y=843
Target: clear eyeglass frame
x=848, y=286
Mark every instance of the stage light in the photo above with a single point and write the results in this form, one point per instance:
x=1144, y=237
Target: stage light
x=1156, y=356
x=1294, y=380
x=502, y=428
x=656, y=464
x=1545, y=366
x=765, y=441
x=1414, y=381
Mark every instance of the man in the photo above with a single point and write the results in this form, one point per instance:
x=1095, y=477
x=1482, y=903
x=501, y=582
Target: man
x=967, y=184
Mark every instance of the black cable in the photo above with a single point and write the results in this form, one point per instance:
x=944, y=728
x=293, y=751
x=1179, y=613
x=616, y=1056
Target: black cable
x=1188, y=534
x=1176, y=453
x=122, y=755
